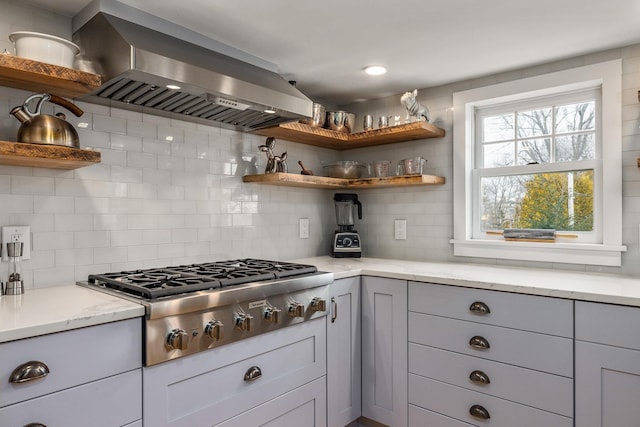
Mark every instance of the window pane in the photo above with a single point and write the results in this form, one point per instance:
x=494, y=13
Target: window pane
x=575, y=117
x=559, y=201
x=497, y=155
x=575, y=147
x=534, y=123
x=498, y=128
x=534, y=151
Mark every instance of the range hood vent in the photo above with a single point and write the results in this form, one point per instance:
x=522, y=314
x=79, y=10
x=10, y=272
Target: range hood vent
x=146, y=70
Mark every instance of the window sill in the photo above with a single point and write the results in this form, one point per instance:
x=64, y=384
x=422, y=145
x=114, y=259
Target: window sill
x=567, y=253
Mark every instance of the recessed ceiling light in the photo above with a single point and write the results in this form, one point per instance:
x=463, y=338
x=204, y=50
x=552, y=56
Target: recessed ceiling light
x=375, y=70
x=174, y=87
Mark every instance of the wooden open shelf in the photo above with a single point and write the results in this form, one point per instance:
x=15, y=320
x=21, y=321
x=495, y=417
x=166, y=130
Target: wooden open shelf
x=312, y=181
x=46, y=156
x=22, y=73
x=305, y=134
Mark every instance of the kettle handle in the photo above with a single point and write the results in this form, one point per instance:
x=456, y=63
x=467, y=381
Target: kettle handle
x=66, y=104
x=54, y=99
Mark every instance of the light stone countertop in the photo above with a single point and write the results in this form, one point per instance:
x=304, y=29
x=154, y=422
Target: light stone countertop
x=596, y=287
x=47, y=310
x=59, y=308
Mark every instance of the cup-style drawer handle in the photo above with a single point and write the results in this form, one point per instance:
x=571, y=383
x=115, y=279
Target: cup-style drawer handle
x=479, y=377
x=29, y=371
x=253, y=373
x=479, y=308
x=479, y=412
x=35, y=425
x=479, y=343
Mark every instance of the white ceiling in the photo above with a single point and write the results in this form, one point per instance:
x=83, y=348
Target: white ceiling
x=324, y=46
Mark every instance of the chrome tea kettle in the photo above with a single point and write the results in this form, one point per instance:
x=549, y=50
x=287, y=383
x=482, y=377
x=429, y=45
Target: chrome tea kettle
x=45, y=129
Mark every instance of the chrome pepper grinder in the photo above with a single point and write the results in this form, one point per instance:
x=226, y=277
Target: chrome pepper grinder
x=14, y=284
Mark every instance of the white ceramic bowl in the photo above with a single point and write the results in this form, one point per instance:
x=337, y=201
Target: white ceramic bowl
x=44, y=48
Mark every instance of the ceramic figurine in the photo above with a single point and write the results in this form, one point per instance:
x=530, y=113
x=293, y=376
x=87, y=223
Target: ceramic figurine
x=414, y=108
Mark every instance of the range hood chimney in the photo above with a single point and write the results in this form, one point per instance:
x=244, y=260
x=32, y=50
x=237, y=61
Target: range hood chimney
x=146, y=70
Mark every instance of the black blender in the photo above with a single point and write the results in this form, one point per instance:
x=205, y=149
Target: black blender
x=346, y=242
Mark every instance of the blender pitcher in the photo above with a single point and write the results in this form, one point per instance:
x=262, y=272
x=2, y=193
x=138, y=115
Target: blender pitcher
x=345, y=204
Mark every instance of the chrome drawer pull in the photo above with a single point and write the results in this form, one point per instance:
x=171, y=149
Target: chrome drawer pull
x=252, y=374
x=29, y=371
x=479, y=412
x=479, y=377
x=479, y=308
x=334, y=303
x=479, y=343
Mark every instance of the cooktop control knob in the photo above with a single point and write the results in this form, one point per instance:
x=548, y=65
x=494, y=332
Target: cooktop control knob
x=296, y=310
x=271, y=314
x=178, y=339
x=318, y=304
x=213, y=329
x=243, y=321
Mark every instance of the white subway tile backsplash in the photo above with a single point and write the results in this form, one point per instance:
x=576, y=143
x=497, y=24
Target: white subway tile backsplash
x=91, y=239
x=125, y=238
x=142, y=129
x=156, y=237
x=110, y=255
x=142, y=160
x=130, y=144
x=77, y=222
x=109, y=124
x=110, y=222
x=74, y=257
x=45, y=241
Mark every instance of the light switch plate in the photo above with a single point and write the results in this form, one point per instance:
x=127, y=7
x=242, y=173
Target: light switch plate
x=17, y=233
x=400, y=229
x=304, y=228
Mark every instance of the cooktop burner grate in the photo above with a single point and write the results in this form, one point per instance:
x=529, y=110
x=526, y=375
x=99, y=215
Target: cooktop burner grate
x=161, y=282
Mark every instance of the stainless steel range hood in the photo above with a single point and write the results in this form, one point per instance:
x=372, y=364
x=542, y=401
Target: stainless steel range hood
x=146, y=70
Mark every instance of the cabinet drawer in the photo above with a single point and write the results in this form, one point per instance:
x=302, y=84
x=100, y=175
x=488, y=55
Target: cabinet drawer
x=546, y=315
x=456, y=402
x=608, y=324
x=549, y=392
x=420, y=417
x=302, y=407
x=73, y=357
x=208, y=388
x=545, y=353
x=110, y=402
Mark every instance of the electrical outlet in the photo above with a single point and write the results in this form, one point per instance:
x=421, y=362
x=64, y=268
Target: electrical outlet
x=303, y=227
x=400, y=229
x=17, y=233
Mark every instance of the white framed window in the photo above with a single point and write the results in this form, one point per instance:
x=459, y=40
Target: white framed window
x=541, y=153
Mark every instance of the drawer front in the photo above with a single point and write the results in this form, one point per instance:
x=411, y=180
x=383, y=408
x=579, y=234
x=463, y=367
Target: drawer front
x=420, y=417
x=110, y=402
x=549, y=392
x=302, y=407
x=545, y=353
x=208, y=388
x=72, y=357
x=456, y=402
x=608, y=324
x=546, y=315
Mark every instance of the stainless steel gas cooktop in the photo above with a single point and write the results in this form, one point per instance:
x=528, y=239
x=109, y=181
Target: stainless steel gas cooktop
x=192, y=308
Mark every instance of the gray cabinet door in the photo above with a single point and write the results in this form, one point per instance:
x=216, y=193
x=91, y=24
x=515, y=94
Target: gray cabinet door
x=384, y=350
x=607, y=383
x=344, y=353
